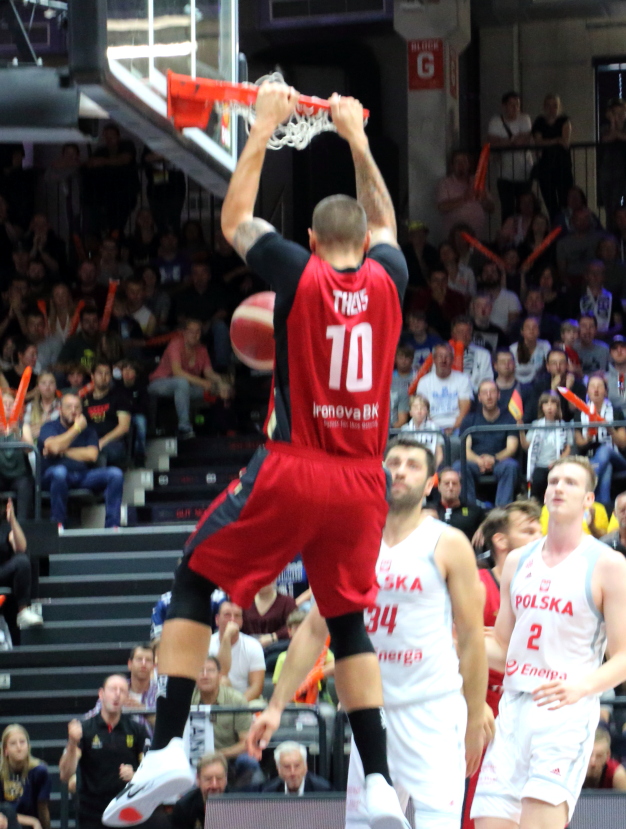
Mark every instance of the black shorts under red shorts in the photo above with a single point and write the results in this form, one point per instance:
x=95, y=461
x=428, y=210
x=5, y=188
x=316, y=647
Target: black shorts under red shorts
x=292, y=500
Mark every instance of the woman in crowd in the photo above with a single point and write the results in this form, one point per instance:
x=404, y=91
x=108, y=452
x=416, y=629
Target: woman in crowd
x=61, y=311
x=24, y=780
x=530, y=352
x=460, y=277
x=552, y=132
x=25, y=355
x=527, y=208
x=552, y=293
x=545, y=446
x=537, y=232
x=45, y=406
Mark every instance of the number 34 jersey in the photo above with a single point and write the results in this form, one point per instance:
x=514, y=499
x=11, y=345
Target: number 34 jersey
x=411, y=623
x=559, y=633
x=336, y=335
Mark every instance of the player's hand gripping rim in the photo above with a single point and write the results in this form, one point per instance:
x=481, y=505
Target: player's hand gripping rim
x=557, y=694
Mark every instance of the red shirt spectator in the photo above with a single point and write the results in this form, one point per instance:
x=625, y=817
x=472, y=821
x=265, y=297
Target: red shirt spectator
x=194, y=360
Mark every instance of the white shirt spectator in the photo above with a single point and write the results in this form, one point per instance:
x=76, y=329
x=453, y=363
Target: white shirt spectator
x=444, y=395
x=247, y=655
x=504, y=304
x=526, y=372
x=512, y=165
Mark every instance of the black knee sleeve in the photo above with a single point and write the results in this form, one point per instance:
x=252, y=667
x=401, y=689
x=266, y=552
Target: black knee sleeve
x=191, y=596
x=348, y=636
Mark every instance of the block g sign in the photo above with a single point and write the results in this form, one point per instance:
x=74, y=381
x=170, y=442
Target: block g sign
x=426, y=64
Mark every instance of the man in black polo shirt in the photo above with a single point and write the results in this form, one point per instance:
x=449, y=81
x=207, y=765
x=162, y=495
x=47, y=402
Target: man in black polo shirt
x=108, y=747
x=466, y=518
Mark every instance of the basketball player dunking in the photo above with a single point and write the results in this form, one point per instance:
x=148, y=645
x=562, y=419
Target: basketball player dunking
x=563, y=600
x=318, y=485
x=434, y=698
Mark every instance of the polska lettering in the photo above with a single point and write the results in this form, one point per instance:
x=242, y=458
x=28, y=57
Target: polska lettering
x=544, y=603
x=351, y=303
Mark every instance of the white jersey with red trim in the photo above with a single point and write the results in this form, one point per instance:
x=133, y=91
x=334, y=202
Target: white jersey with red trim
x=559, y=632
x=411, y=623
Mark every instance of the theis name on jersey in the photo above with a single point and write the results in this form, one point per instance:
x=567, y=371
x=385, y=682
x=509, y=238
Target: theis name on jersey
x=350, y=303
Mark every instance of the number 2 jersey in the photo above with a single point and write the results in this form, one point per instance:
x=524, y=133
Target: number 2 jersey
x=411, y=623
x=559, y=632
x=336, y=334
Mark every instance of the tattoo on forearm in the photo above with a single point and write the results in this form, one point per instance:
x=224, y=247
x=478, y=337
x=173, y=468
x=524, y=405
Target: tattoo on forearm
x=247, y=234
x=372, y=191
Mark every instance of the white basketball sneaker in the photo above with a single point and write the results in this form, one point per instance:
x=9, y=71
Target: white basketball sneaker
x=162, y=774
x=382, y=804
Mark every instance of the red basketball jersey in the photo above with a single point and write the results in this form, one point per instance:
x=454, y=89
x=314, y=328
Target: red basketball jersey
x=492, y=605
x=342, y=331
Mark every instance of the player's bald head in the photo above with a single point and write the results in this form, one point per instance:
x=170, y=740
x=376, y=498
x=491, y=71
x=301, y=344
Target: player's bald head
x=339, y=222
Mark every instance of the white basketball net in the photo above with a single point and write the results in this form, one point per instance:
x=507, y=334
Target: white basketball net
x=297, y=132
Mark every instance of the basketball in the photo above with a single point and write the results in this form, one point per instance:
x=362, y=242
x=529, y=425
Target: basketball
x=252, y=331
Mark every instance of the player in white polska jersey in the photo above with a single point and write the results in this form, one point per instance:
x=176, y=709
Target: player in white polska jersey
x=563, y=599
x=428, y=579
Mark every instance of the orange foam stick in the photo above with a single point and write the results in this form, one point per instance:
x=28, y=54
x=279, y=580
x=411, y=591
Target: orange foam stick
x=20, y=397
x=471, y=240
x=550, y=238
x=308, y=691
x=41, y=304
x=79, y=247
x=480, y=177
x=457, y=364
x=575, y=400
x=108, y=308
x=161, y=339
x=87, y=389
x=3, y=417
x=76, y=318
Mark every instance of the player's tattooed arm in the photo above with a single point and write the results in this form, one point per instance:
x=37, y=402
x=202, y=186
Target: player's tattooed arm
x=248, y=232
x=371, y=190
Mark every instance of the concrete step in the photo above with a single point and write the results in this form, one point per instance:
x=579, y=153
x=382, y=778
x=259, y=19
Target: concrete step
x=76, y=564
x=87, y=631
x=45, y=656
x=105, y=585
x=124, y=539
x=99, y=607
x=61, y=679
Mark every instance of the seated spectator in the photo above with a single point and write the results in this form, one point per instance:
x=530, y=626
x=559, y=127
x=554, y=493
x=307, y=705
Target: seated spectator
x=15, y=571
x=617, y=372
x=45, y=246
x=420, y=422
x=266, y=618
x=603, y=772
x=81, y=348
x=556, y=375
x=476, y=360
x=293, y=775
x=44, y=407
x=439, y=302
x=69, y=448
x=207, y=301
x=577, y=249
x=530, y=352
x=491, y=452
x=460, y=277
x=92, y=292
x=400, y=381
x=15, y=473
x=458, y=201
x=617, y=538
x=594, y=354
x=549, y=325
x=136, y=393
x=24, y=779
x=106, y=749
x=185, y=373
x=7, y=352
x=576, y=199
x=38, y=285
x=211, y=781
x=528, y=207
x=107, y=410
x=229, y=730
x=48, y=347
x=553, y=294
x=25, y=355
x=465, y=517
x=448, y=392
x=60, y=311
x=14, y=303
x=172, y=265
x=602, y=443
x=467, y=254
x=144, y=241
x=545, y=447
x=77, y=379
x=421, y=257
x=155, y=299
x=596, y=300
x=504, y=365
x=485, y=333
x=418, y=338
x=505, y=305
x=614, y=270
x=240, y=656
x=135, y=291
x=570, y=337
x=109, y=265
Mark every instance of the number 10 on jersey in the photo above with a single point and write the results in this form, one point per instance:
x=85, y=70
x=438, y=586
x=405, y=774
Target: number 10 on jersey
x=358, y=376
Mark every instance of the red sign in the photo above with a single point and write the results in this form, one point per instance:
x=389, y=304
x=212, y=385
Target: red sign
x=425, y=64
x=453, y=73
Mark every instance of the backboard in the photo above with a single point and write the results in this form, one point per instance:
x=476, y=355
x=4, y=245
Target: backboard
x=124, y=69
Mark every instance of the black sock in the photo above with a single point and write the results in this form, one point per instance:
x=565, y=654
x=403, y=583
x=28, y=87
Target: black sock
x=172, y=708
x=370, y=735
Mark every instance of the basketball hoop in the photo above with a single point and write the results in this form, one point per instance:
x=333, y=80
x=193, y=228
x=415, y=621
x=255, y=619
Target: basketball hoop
x=191, y=100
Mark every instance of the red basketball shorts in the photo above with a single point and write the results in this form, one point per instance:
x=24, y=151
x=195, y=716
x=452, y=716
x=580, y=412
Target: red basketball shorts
x=292, y=500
